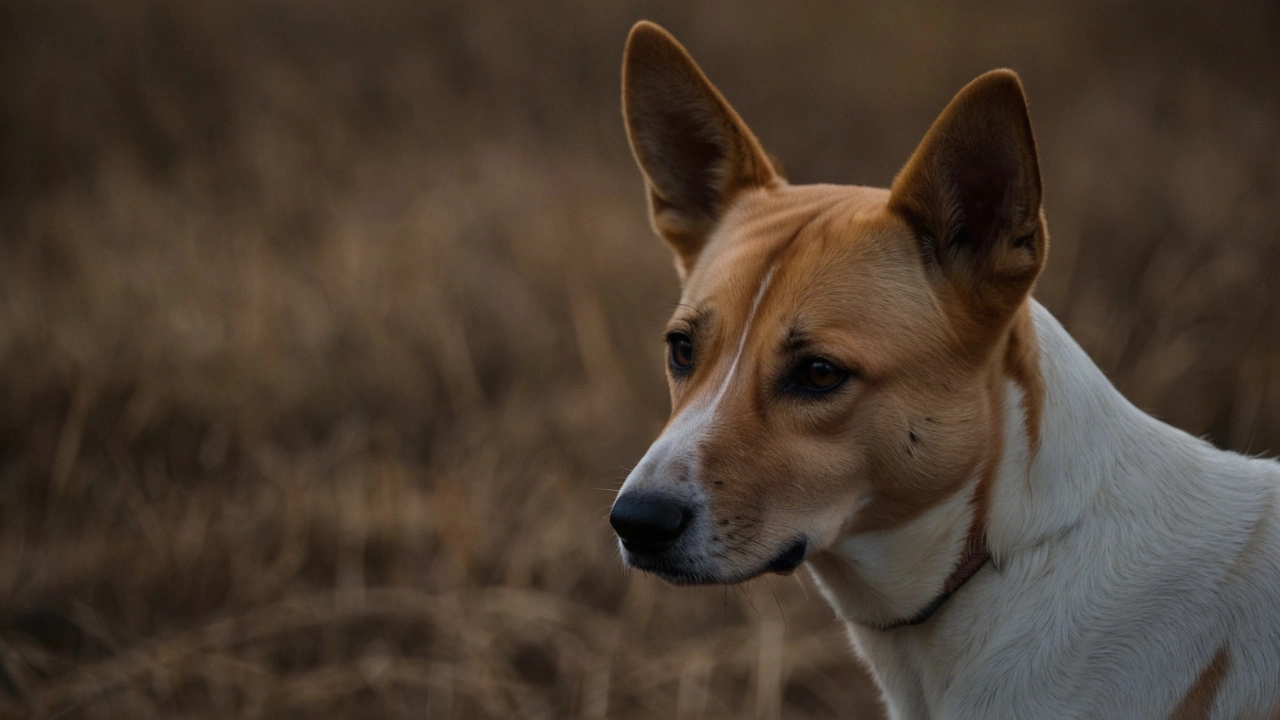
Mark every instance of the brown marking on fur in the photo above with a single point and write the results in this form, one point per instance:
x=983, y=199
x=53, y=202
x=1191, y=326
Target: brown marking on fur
x=982, y=491
x=1022, y=363
x=1253, y=548
x=1198, y=701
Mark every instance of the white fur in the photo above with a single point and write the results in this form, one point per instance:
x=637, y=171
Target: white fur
x=671, y=464
x=1117, y=575
x=742, y=342
x=892, y=573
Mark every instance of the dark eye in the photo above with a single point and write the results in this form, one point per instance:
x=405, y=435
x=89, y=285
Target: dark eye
x=680, y=353
x=817, y=376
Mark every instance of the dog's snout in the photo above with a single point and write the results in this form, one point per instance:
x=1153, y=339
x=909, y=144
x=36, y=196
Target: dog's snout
x=648, y=523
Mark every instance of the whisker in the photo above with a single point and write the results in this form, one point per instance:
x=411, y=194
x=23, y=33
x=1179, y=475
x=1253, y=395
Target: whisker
x=769, y=582
x=743, y=591
x=803, y=589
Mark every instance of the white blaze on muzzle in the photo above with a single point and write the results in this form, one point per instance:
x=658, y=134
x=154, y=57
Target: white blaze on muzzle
x=679, y=442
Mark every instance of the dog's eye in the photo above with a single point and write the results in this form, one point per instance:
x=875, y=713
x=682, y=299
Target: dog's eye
x=816, y=376
x=680, y=347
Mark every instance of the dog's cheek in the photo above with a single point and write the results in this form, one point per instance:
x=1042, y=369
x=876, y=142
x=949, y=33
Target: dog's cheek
x=917, y=455
x=767, y=485
x=812, y=481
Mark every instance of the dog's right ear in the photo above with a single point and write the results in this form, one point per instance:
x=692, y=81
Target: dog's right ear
x=694, y=150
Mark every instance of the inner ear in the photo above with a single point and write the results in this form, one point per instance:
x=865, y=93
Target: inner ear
x=693, y=149
x=972, y=194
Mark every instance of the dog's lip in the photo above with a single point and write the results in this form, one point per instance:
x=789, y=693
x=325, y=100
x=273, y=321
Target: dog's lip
x=678, y=573
x=790, y=558
x=673, y=571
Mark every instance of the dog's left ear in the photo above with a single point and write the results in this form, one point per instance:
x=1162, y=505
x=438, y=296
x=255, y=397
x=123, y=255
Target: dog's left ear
x=971, y=193
x=694, y=150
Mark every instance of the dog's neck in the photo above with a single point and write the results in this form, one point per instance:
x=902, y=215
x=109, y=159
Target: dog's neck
x=884, y=579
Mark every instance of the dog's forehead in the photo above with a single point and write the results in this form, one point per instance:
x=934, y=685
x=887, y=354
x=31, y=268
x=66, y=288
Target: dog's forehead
x=833, y=252
x=760, y=227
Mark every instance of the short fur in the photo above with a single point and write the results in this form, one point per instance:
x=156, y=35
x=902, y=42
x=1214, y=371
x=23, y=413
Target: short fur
x=1135, y=569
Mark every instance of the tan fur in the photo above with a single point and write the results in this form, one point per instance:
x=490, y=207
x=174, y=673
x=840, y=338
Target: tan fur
x=930, y=378
x=901, y=349
x=1199, y=699
x=1254, y=548
x=1020, y=362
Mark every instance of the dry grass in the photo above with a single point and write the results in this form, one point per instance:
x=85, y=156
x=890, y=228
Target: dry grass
x=326, y=333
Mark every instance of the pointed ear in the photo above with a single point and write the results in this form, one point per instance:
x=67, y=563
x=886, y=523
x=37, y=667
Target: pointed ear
x=971, y=192
x=694, y=150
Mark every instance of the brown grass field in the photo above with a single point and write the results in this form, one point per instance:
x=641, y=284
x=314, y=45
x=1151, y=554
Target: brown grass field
x=328, y=330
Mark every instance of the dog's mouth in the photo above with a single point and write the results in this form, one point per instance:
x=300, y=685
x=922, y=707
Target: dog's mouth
x=790, y=558
x=678, y=569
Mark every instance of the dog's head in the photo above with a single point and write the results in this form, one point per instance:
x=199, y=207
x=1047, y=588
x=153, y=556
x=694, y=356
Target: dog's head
x=836, y=358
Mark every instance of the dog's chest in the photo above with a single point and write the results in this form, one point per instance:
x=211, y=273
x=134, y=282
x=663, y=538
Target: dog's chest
x=1091, y=613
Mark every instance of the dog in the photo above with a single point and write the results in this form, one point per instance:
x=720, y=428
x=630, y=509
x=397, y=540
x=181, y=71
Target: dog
x=862, y=384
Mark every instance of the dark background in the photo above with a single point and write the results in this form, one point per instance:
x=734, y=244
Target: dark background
x=328, y=329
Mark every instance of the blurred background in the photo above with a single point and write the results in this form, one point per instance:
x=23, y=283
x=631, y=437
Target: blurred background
x=329, y=329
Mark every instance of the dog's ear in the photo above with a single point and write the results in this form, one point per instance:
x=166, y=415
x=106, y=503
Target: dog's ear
x=694, y=150
x=971, y=193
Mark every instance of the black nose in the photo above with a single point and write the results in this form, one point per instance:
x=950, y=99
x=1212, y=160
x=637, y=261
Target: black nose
x=647, y=523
